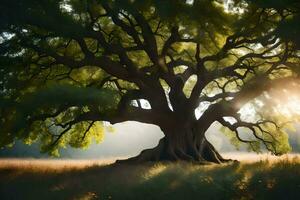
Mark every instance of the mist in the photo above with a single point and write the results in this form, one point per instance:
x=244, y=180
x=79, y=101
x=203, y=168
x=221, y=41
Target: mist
x=129, y=139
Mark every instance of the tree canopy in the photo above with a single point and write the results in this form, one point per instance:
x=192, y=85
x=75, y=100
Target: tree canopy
x=67, y=66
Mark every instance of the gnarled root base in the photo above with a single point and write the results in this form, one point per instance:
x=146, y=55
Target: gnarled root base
x=162, y=152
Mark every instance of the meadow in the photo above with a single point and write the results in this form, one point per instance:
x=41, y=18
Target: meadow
x=256, y=177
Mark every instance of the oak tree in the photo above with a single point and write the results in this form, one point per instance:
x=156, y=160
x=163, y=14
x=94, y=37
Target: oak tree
x=67, y=66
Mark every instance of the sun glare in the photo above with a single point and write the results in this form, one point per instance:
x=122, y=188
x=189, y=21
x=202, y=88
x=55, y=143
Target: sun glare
x=281, y=102
x=286, y=101
x=290, y=107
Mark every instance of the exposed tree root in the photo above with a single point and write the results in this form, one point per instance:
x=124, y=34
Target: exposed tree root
x=205, y=154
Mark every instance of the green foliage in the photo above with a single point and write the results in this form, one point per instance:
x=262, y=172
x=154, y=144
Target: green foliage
x=288, y=28
x=277, y=4
x=81, y=135
x=71, y=100
x=231, y=136
x=65, y=65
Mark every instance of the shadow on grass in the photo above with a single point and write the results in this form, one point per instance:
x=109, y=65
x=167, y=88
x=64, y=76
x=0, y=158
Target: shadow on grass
x=260, y=180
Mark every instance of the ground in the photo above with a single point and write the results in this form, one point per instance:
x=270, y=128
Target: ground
x=258, y=178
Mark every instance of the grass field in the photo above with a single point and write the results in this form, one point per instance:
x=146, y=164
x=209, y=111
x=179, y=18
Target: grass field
x=255, y=177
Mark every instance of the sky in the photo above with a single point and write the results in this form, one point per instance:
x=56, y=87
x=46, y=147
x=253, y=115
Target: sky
x=128, y=139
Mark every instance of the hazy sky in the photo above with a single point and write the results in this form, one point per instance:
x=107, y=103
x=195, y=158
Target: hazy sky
x=127, y=139
x=130, y=138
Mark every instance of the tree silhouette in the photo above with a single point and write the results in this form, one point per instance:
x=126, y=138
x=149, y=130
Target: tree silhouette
x=69, y=65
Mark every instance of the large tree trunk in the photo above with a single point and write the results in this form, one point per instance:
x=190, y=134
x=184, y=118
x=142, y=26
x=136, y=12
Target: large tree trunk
x=181, y=143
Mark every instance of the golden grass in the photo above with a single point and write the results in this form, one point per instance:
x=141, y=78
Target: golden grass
x=255, y=177
x=253, y=157
x=71, y=164
x=50, y=164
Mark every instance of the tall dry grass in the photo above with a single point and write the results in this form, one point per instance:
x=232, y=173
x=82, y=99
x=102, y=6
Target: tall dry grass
x=263, y=178
x=50, y=164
